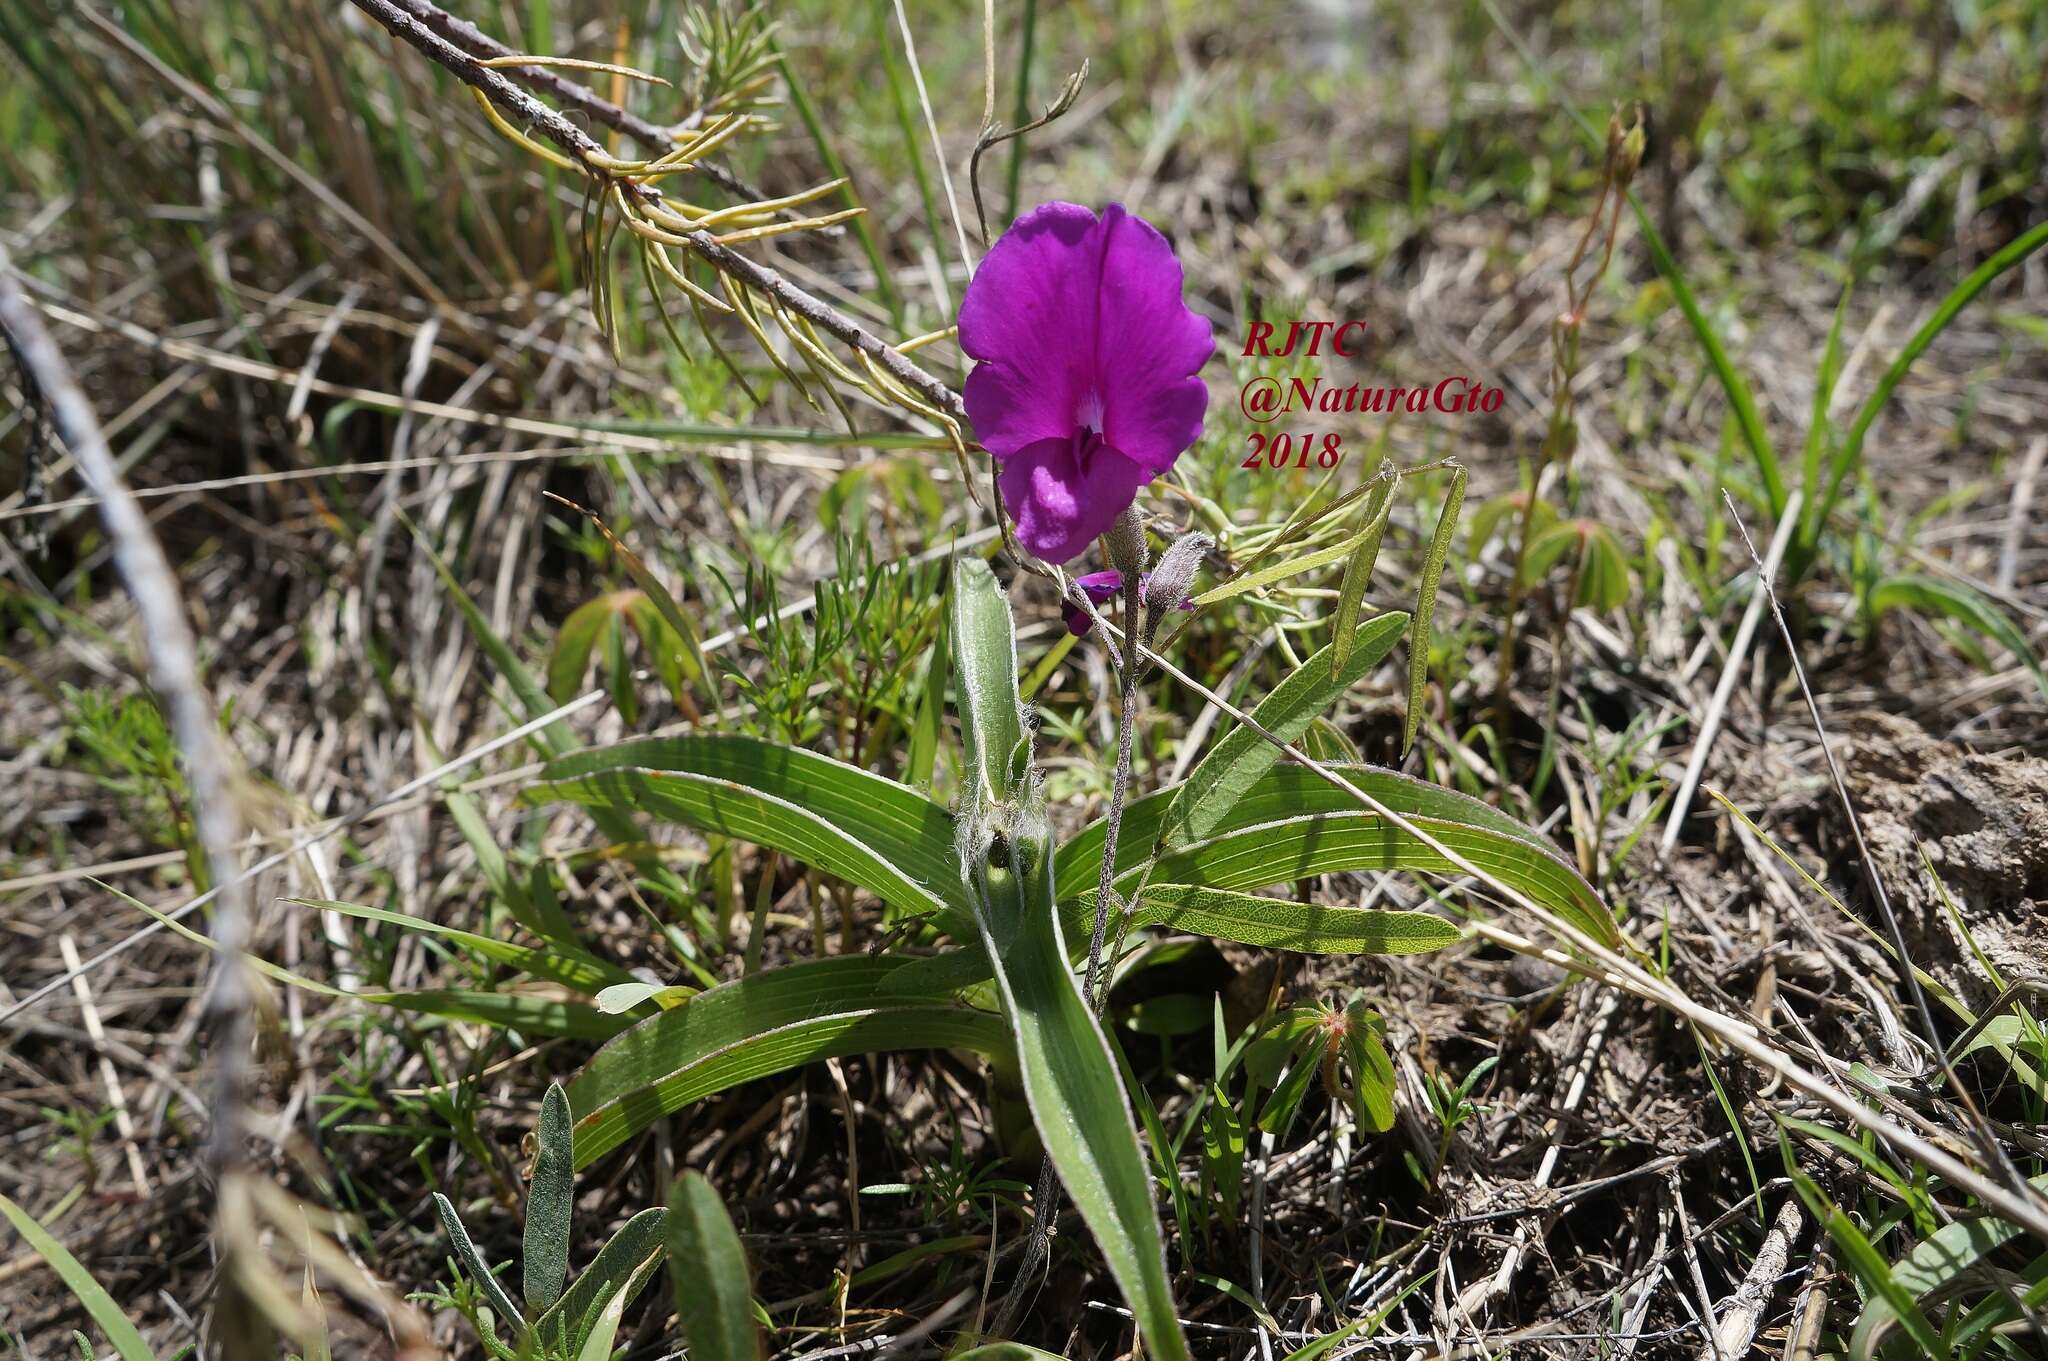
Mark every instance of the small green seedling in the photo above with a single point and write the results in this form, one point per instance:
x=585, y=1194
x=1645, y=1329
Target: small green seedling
x=580, y=1323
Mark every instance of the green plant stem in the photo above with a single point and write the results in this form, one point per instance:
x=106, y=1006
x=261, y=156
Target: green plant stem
x=1023, y=114
x=1504, y=685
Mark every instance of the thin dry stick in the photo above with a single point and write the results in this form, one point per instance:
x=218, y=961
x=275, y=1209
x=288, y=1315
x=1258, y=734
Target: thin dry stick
x=931, y=124
x=124, y=1122
x=653, y=136
x=1480, y=1292
x=1746, y=1307
x=2020, y=516
x=526, y=112
x=173, y=655
x=1737, y=650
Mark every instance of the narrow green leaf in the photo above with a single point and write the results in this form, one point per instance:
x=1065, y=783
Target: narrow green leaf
x=1006, y=1351
x=1278, y=923
x=1851, y=449
x=1292, y=567
x=473, y=1263
x=1824, y=392
x=871, y=832
x=604, y=1332
x=1425, y=604
x=1070, y=1080
x=1739, y=396
x=1965, y=606
x=1303, y=847
x=714, y=1288
x=920, y=765
x=757, y=1026
x=985, y=650
x=1235, y=764
x=90, y=1294
x=1281, y=793
x=529, y=1015
x=1379, y=505
x=550, y=1200
x=622, y=1268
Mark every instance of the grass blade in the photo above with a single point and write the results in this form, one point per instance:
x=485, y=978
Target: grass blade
x=89, y=1293
x=1284, y=792
x=1851, y=449
x=473, y=1262
x=1739, y=396
x=1425, y=603
x=1278, y=924
x=1236, y=763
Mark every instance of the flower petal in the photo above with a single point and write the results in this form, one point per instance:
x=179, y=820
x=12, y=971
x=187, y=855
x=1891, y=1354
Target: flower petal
x=1148, y=346
x=1065, y=493
x=1101, y=587
x=1029, y=317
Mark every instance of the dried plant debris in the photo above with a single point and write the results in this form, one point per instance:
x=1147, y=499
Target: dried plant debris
x=1961, y=839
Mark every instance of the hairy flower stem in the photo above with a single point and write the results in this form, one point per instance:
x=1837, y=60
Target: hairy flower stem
x=1094, y=989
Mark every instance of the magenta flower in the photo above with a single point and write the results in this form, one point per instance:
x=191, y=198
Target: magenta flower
x=1086, y=389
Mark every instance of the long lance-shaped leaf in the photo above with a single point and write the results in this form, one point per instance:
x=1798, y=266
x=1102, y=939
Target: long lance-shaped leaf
x=869, y=831
x=1070, y=1078
x=479, y=1271
x=1223, y=777
x=1292, y=567
x=1276, y=923
x=1425, y=603
x=758, y=1026
x=1283, y=792
x=90, y=1294
x=624, y=1263
x=985, y=661
x=1298, y=848
x=550, y=1202
x=714, y=1289
x=1379, y=504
